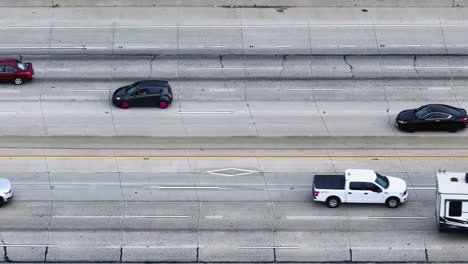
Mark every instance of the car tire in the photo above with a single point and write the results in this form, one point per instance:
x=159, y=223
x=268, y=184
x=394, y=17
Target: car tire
x=125, y=105
x=453, y=128
x=163, y=104
x=333, y=202
x=442, y=229
x=410, y=128
x=392, y=202
x=18, y=81
x=1, y=202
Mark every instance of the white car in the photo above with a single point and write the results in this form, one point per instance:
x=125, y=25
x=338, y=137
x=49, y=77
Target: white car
x=359, y=186
x=6, y=191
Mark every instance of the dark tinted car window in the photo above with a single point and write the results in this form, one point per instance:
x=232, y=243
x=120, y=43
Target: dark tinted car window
x=2, y=68
x=155, y=90
x=437, y=116
x=455, y=208
x=10, y=69
x=422, y=111
x=369, y=186
x=143, y=91
x=355, y=186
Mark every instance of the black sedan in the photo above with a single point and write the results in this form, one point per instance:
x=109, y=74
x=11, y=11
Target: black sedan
x=143, y=93
x=432, y=117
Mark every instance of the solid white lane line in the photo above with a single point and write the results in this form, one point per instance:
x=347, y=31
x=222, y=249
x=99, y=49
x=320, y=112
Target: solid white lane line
x=414, y=45
x=282, y=46
x=214, y=217
x=120, y=216
x=313, y=217
x=441, y=67
x=397, y=217
x=217, y=46
x=312, y=89
x=347, y=46
x=185, y=187
x=439, y=88
x=205, y=112
x=148, y=246
x=89, y=90
x=157, y=216
x=271, y=247
x=9, y=91
x=333, y=217
x=8, y=113
x=24, y=245
x=46, y=47
x=422, y=188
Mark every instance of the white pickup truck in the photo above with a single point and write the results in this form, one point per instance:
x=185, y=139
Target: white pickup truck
x=359, y=186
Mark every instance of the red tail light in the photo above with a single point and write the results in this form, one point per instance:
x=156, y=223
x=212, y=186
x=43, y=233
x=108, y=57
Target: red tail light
x=30, y=75
x=316, y=194
x=464, y=119
x=170, y=95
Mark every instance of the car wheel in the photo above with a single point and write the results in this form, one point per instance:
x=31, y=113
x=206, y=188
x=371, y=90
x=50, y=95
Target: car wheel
x=442, y=229
x=18, y=81
x=125, y=105
x=453, y=128
x=1, y=202
x=410, y=128
x=163, y=104
x=392, y=202
x=333, y=202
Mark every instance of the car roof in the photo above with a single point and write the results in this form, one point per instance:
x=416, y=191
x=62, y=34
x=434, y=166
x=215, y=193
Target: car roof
x=4, y=183
x=444, y=108
x=360, y=175
x=8, y=61
x=446, y=185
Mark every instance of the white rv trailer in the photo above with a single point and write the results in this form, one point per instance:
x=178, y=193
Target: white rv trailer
x=452, y=200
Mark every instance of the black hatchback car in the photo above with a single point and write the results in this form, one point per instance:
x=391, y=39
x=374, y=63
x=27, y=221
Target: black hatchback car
x=143, y=93
x=431, y=117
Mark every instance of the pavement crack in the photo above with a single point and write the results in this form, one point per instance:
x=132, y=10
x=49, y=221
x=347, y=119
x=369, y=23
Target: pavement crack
x=5, y=255
x=427, y=255
x=121, y=253
x=282, y=65
x=351, y=68
x=414, y=64
x=350, y=254
x=274, y=255
x=45, y=254
x=198, y=254
x=222, y=66
x=151, y=65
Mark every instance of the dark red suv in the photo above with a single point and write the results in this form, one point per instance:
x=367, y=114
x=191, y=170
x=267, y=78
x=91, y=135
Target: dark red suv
x=12, y=70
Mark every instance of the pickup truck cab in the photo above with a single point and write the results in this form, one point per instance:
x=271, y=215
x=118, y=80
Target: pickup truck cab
x=359, y=186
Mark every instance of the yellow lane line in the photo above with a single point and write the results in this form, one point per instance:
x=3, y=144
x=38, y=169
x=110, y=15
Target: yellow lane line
x=234, y=157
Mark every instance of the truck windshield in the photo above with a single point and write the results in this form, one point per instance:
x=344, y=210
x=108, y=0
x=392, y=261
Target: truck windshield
x=382, y=181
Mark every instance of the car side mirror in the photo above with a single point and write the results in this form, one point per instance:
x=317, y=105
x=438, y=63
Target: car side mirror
x=378, y=190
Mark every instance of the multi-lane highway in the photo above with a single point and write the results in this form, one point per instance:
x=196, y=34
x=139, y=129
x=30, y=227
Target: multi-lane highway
x=265, y=97
x=226, y=199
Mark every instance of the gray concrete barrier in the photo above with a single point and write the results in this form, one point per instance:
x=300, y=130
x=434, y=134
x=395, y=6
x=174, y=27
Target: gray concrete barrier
x=243, y=3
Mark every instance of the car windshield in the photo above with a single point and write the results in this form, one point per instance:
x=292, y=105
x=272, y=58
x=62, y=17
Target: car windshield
x=422, y=111
x=21, y=65
x=382, y=181
x=129, y=89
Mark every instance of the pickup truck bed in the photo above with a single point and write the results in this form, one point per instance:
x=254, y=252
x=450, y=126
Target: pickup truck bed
x=331, y=182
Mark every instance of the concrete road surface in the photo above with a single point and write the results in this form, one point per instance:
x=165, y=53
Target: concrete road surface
x=221, y=30
x=151, y=199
